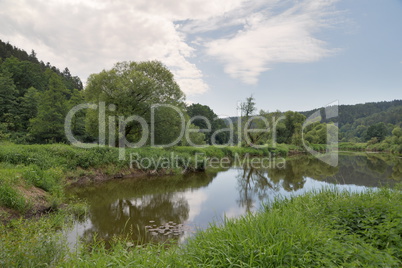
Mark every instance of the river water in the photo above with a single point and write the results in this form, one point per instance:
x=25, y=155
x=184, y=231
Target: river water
x=172, y=208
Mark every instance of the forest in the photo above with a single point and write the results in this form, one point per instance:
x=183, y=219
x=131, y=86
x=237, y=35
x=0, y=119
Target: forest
x=35, y=98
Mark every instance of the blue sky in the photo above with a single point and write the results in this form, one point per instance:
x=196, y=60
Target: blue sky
x=290, y=55
x=366, y=66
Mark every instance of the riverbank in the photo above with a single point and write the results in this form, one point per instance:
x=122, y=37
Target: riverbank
x=33, y=177
x=321, y=229
x=300, y=232
x=381, y=147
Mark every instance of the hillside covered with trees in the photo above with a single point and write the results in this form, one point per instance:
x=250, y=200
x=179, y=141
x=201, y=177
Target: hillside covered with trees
x=362, y=122
x=34, y=97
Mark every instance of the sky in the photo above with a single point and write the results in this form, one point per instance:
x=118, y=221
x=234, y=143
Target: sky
x=288, y=54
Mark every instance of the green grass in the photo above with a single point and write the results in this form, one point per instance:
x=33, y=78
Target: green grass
x=70, y=158
x=383, y=146
x=351, y=146
x=33, y=243
x=9, y=195
x=11, y=198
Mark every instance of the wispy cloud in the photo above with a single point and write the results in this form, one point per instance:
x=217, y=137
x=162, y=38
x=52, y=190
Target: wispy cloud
x=269, y=33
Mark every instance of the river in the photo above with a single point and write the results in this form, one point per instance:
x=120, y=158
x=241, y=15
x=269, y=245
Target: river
x=172, y=208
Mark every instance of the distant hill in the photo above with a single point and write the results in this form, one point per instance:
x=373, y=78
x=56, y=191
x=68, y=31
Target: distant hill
x=355, y=120
x=368, y=113
x=389, y=112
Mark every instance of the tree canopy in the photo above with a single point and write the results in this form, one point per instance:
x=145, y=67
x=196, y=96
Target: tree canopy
x=134, y=89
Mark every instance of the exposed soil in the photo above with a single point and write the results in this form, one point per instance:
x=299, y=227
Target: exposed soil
x=39, y=205
x=7, y=215
x=39, y=199
x=99, y=176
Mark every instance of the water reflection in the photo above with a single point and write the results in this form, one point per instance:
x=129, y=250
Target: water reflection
x=127, y=207
x=259, y=183
x=370, y=170
x=156, y=209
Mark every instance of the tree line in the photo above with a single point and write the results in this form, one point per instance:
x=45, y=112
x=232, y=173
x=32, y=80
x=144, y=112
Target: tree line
x=35, y=98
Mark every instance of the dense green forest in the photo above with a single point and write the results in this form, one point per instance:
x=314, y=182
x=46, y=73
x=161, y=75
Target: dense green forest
x=35, y=98
x=354, y=121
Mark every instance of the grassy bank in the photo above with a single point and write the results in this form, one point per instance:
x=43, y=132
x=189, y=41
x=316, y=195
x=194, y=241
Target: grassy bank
x=382, y=147
x=322, y=229
x=32, y=177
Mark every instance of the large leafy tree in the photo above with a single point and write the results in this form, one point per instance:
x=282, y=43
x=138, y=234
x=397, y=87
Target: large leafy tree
x=78, y=121
x=133, y=88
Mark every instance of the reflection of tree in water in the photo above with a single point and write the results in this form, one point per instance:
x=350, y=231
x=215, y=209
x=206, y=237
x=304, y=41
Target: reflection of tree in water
x=397, y=170
x=132, y=215
x=257, y=183
x=371, y=170
x=376, y=164
x=252, y=182
x=381, y=164
x=126, y=207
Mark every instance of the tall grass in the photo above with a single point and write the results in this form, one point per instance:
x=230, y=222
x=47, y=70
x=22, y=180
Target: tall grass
x=34, y=243
x=11, y=198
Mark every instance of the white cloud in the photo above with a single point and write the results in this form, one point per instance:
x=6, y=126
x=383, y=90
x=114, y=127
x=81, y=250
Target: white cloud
x=88, y=36
x=270, y=33
x=195, y=199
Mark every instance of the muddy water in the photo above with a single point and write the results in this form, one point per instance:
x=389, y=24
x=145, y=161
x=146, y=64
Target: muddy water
x=172, y=208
